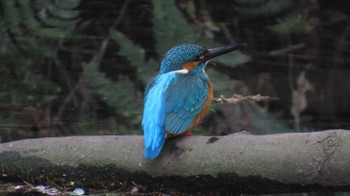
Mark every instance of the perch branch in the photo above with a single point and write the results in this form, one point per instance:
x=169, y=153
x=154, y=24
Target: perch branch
x=237, y=163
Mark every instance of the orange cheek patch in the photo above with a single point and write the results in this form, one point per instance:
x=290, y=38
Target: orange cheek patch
x=190, y=65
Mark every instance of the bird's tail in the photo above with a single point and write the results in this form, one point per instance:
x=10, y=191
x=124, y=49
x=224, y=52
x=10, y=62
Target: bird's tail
x=154, y=115
x=152, y=152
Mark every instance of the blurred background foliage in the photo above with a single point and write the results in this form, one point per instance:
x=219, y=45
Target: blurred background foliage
x=70, y=67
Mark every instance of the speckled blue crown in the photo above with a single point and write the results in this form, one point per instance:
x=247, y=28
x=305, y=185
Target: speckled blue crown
x=178, y=55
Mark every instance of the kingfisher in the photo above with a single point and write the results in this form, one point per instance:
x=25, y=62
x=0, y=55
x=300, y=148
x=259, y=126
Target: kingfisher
x=179, y=96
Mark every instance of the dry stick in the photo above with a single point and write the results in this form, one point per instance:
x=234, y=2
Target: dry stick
x=95, y=61
x=227, y=34
x=240, y=98
x=290, y=48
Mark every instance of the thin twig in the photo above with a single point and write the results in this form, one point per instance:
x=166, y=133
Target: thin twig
x=97, y=58
x=287, y=49
x=227, y=33
x=240, y=98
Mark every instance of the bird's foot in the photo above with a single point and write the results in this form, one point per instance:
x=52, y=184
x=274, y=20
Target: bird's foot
x=186, y=133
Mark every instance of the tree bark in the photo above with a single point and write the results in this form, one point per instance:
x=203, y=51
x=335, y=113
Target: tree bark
x=237, y=163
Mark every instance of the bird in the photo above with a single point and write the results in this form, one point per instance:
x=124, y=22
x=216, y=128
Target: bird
x=178, y=97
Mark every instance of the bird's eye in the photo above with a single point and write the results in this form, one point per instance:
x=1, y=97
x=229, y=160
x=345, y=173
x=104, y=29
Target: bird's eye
x=196, y=58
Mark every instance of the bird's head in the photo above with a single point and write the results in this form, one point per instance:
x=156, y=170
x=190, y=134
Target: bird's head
x=191, y=58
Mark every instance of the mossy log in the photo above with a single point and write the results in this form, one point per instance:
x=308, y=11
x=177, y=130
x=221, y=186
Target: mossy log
x=237, y=163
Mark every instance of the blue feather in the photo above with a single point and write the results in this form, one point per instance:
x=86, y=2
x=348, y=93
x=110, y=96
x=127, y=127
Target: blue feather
x=178, y=55
x=177, y=94
x=172, y=101
x=154, y=115
x=185, y=98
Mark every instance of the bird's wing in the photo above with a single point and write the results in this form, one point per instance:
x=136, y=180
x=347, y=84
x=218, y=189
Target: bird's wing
x=184, y=99
x=154, y=114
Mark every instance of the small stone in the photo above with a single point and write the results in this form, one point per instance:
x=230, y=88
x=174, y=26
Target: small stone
x=40, y=188
x=79, y=191
x=134, y=190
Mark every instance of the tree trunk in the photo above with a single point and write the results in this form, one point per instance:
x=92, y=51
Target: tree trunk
x=237, y=163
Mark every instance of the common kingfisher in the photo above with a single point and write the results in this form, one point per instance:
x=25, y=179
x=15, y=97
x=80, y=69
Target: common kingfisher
x=179, y=96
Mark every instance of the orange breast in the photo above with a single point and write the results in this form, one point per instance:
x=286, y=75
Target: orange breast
x=205, y=109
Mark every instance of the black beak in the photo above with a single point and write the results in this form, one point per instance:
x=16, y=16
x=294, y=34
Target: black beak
x=214, y=52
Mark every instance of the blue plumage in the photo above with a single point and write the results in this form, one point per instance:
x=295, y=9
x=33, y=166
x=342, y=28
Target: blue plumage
x=172, y=99
x=178, y=55
x=171, y=103
x=178, y=96
x=185, y=98
x=184, y=93
x=154, y=115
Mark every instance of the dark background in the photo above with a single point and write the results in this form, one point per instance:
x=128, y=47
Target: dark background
x=80, y=67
